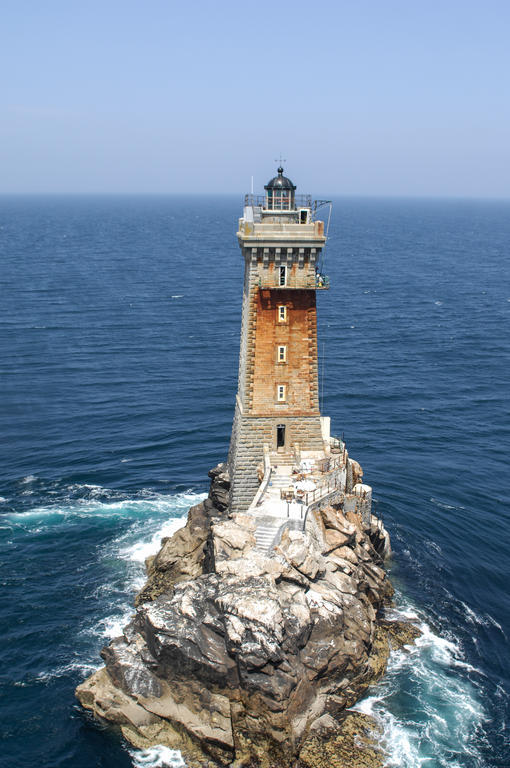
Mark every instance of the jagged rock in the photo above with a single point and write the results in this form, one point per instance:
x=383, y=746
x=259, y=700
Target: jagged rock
x=341, y=581
x=181, y=556
x=237, y=657
x=220, y=487
x=129, y=666
x=400, y=633
x=296, y=548
x=233, y=538
x=100, y=694
x=349, y=742
x=346, y=553
x=205, y=715
x=333, y=519
x=334, y=539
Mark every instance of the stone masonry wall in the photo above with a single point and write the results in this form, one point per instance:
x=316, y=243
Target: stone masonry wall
x=249, y=435
x=241, y=383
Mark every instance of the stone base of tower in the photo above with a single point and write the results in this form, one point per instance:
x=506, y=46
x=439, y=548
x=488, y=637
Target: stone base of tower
x=251, y=435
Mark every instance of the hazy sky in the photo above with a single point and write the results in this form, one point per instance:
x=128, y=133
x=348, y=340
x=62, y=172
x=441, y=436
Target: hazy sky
x=372, y=97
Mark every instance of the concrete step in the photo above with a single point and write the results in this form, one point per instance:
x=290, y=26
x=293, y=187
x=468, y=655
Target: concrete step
x=281, y=481
x=264, y=536
x=282, y=460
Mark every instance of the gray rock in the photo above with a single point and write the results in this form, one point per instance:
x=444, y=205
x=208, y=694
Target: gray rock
x=233, y=654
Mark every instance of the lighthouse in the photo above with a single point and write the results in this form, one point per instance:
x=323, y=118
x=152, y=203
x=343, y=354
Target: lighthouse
x=278, y=431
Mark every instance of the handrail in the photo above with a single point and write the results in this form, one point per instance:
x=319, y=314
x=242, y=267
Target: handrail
x=319, y=282
x=331, y=488
x=261, y=201
x=265, y=480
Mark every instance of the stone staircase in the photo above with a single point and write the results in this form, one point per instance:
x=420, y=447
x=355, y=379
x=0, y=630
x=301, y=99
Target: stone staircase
x=281, y=476
x=280, y=481
x=269, y=525
x=266, y=532
x=282, y=459
x=268, y=529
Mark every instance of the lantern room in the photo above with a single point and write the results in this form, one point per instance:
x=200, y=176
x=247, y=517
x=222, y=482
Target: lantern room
x=280, y=193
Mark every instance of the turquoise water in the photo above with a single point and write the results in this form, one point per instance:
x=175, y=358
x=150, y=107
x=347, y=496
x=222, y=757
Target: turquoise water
x=120, y=332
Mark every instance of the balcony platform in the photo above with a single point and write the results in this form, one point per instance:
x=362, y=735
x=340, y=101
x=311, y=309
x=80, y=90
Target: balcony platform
x=321, y=283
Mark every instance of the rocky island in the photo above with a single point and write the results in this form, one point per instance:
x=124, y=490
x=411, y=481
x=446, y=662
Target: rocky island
x=262, y=619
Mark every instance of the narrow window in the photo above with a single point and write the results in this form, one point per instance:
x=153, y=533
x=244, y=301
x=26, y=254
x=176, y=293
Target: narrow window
x=280, y=436
x=283, y=276
x=282, y=314
x=281, y=393
x=282, y=354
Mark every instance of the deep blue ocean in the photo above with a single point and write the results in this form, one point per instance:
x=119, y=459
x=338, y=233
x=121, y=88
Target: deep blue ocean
x=119, y=345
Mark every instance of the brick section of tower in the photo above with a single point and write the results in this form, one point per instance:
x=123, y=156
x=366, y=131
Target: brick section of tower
x=299, y=336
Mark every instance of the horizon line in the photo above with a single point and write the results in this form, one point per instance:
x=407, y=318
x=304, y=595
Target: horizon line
x=344, y=195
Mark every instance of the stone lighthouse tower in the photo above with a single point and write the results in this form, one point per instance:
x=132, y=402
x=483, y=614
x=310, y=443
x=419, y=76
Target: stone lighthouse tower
x=277, y=418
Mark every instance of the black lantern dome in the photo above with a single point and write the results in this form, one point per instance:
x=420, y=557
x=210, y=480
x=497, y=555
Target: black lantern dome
x=280, y=182
x=280, y=193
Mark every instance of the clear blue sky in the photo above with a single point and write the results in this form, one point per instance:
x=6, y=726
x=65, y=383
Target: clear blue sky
x=379, y=97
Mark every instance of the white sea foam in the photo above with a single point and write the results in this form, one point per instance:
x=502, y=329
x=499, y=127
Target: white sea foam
x=112, y=626
x=157, y=757
x=426, y=704
x=150, y=517
x=485, y=620
x=142, y=507
x=84, y=667
x=443, y=505
x=140, y=550
x=155, y=518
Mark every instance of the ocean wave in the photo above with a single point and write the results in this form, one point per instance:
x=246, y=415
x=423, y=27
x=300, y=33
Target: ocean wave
x=113, y=626
x=157, y=757
x=444, y=505
x=138, y=506
x=426, y=704
x=71, y=668
x=163, y=516
x=147, y=518
x=140, y=550
x=485, y=620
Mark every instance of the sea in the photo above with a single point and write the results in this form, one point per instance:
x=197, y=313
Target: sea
x=119, y=343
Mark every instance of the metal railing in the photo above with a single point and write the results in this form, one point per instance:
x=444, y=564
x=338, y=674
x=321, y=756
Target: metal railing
x=318, y=283
x=328, y=482
x=331, y=482
x=261, y=201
